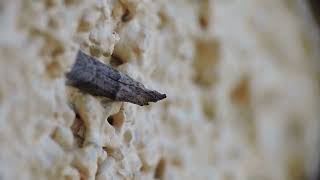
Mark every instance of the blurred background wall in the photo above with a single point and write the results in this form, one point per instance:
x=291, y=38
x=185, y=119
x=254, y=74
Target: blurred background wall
x=241, y=78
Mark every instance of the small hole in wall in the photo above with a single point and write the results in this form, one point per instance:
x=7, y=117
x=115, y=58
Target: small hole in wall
x=83, y=175
x=108, y=150
x=203, y=21
x=241, y=94
x=83, y=26
x=145, y=168
x=205, y=62
x=95, y=51
x=53, y=69
x=163, y=19
x=52, y=46
x=111, y=120
x=114, y=152
x=78, y=131
x=71, y=176
x=116, y=61
x=204, y=14
x=160, y=169
x=240, y=98
x=50, y=3
x=127, y=16
x=116, y=120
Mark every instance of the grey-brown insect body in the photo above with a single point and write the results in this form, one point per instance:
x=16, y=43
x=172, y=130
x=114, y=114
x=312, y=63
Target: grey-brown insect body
x=96, y=78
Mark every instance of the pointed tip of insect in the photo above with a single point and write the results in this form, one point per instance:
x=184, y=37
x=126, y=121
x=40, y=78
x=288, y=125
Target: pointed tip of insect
x=154, y=96
x=159, y=97
x=162, y=96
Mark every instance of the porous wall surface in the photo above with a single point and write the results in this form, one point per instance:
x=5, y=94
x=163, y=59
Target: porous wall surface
x=241, y=79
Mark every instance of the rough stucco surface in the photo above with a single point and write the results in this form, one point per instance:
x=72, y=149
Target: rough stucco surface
x=241, y=79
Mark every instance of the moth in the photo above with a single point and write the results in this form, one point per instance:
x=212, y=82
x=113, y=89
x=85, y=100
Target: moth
x=98, y=79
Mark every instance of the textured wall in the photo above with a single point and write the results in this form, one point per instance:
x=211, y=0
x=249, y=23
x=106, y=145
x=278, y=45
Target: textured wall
x=241, y=79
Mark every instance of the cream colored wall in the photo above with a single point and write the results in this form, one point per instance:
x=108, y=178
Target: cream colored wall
x=241, y=79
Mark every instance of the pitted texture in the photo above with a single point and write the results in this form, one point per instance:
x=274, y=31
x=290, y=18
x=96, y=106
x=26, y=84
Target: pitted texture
x=241, y=78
